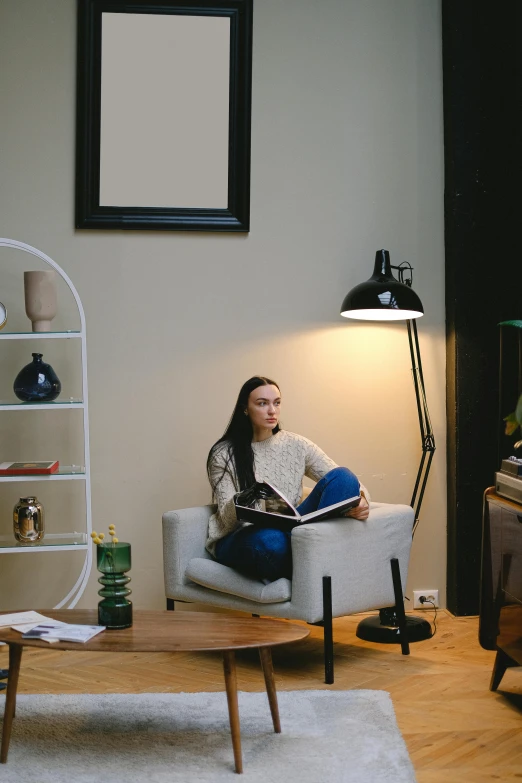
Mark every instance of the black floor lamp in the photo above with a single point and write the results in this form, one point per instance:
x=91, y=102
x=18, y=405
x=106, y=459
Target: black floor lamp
x=384, y=298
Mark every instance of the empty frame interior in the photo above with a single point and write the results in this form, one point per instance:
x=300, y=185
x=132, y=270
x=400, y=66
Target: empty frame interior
x=164, y=110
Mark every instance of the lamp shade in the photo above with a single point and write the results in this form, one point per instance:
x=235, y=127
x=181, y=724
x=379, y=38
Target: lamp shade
x=382, y=297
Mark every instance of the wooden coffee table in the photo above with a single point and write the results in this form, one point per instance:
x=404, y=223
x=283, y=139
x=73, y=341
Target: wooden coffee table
x=167, y=632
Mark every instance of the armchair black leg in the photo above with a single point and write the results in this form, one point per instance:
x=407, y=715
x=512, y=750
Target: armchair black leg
x=170, y=605
x=399, y=606
x=328, y=630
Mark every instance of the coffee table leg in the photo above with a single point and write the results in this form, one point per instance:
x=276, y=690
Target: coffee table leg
x=265, y=653
x=15, y=657
x=229, y=667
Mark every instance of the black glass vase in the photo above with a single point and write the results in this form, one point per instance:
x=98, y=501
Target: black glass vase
x=37, y=382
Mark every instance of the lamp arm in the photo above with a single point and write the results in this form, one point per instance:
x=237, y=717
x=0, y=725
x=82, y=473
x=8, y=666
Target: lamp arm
x=427, y=437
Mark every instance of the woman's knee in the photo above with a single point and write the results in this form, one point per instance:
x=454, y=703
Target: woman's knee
x=342, y=474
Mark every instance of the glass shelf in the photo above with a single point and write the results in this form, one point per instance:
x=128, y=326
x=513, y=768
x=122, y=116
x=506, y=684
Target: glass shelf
x=9, y=405
x=64, y=473
x=50, y=542
x=40, y=335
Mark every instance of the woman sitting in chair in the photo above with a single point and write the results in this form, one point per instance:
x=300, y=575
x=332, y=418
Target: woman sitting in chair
x=254, y=448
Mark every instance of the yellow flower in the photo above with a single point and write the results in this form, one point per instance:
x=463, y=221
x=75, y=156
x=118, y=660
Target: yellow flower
x=98, y=537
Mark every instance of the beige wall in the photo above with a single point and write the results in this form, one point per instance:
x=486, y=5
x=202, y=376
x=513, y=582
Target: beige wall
x=346, y=158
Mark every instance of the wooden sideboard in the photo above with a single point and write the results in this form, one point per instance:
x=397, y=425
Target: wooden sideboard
x=500, y=623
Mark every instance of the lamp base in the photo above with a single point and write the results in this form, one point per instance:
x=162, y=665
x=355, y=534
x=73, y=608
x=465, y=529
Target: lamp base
x=384, y=628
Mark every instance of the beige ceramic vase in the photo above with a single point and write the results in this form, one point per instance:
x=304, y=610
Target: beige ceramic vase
x=40, y=298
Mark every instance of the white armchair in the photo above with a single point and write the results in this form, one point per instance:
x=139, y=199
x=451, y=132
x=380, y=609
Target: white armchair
x=340, y=567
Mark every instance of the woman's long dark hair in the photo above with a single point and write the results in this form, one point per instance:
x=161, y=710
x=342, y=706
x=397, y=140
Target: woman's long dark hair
x=238, y=439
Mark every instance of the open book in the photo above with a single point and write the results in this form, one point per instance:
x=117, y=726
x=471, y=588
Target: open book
x=56, y=631
x=265, y=506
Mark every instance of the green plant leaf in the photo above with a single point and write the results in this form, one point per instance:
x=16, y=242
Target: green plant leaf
x=517, y=324
x=511, y=424
x=518, y=411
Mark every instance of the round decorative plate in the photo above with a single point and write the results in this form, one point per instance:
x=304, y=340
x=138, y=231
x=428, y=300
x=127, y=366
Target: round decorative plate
x=3, y=316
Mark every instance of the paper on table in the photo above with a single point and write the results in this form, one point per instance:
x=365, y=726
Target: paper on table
x=21, y=618
x=29, y=626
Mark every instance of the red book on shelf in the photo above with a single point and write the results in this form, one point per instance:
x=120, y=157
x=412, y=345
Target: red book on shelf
x=28, y=468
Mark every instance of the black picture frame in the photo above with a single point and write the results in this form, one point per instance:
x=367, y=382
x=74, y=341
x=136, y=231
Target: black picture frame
x=89, y=213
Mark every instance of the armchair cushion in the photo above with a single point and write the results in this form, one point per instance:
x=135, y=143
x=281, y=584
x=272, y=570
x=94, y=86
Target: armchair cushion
x=216, y=576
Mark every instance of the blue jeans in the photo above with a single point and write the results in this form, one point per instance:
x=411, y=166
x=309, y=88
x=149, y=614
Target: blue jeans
x=265, y=553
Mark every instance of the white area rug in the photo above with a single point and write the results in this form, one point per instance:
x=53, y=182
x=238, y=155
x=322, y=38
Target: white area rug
x=327, y=737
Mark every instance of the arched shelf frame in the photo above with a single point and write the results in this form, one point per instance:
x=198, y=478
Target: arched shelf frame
x=74, y=594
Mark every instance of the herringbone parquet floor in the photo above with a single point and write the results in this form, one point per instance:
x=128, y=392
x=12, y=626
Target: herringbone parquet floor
x=455, y=728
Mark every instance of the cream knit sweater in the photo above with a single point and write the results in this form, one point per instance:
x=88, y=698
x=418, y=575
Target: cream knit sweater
x=283, y=460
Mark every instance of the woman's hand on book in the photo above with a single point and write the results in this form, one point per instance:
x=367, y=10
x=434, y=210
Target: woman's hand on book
x=361, y=511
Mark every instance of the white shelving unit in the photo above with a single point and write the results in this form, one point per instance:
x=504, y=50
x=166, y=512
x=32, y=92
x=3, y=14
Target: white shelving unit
x=72, y=540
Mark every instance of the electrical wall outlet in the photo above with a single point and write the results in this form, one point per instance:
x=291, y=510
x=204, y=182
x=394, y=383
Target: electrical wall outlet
x=431, y=595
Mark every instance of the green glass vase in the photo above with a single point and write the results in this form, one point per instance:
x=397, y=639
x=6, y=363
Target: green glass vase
x=113, y=560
